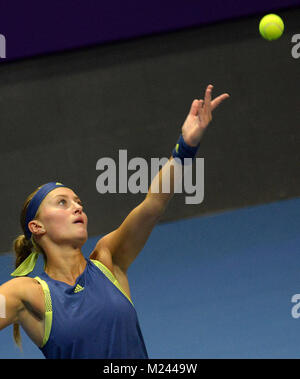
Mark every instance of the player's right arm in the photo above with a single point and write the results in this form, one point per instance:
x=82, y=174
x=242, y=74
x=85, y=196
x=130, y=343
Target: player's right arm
x=10, y=302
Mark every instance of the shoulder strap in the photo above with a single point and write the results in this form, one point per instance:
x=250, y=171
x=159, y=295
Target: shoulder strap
x=48, y=309
x=110, y=276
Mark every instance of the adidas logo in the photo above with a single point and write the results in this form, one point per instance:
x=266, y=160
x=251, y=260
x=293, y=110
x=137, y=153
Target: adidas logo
x=78, y=288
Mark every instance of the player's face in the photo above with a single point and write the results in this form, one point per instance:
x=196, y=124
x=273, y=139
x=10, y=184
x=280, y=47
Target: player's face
x=60, y=212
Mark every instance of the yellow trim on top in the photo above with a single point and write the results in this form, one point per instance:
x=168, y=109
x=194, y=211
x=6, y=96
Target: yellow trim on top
x=48, y=310
x=106, y=271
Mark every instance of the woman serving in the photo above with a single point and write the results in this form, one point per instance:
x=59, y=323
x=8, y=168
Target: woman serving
x=79, y=307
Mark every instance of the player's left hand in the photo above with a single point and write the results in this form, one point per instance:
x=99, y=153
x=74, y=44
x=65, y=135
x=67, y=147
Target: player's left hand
x=200, y=116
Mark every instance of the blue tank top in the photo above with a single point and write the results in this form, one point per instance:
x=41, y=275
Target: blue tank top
x=94, y=318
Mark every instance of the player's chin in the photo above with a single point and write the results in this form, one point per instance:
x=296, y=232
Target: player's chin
x=81, y=235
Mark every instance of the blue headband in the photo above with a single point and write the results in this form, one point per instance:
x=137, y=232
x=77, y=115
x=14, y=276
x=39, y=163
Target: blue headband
x=36, y=201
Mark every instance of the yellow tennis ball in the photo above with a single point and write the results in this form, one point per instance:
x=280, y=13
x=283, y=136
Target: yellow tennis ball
x=271, y=26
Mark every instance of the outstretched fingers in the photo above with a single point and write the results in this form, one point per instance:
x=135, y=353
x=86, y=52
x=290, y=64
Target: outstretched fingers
x=206, y=106
x=207, y=97
x=218, y=100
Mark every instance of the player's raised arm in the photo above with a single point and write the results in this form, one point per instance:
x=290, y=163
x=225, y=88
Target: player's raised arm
x=125, y=243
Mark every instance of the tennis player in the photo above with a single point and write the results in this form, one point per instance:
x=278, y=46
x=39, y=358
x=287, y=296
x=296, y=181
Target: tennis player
x=79, y=307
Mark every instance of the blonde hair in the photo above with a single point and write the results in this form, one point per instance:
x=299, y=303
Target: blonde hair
x=22, y=248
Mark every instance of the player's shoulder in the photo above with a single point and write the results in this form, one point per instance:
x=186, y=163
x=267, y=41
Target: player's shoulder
x=20, y=284
x=24, y=280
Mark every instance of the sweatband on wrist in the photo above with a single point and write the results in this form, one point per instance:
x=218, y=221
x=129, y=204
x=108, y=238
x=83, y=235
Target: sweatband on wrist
x=182, y=150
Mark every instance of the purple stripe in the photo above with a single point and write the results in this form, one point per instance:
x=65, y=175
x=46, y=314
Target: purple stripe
x=35, y=27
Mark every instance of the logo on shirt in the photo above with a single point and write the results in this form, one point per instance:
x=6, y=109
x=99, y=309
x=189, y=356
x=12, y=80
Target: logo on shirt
x=78, y=288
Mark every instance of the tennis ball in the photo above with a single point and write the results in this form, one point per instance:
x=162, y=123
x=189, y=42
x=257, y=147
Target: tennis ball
x=271, y=26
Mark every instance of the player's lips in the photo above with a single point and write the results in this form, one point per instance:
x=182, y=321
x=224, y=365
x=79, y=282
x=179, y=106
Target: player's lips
x=79, y=220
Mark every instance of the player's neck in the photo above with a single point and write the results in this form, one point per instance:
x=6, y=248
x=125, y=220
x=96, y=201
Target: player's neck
x=66, y=267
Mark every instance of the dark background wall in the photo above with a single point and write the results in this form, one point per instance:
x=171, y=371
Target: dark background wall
x=60, y=113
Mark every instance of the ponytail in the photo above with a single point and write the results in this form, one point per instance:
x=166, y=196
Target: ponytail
x=22, y=248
